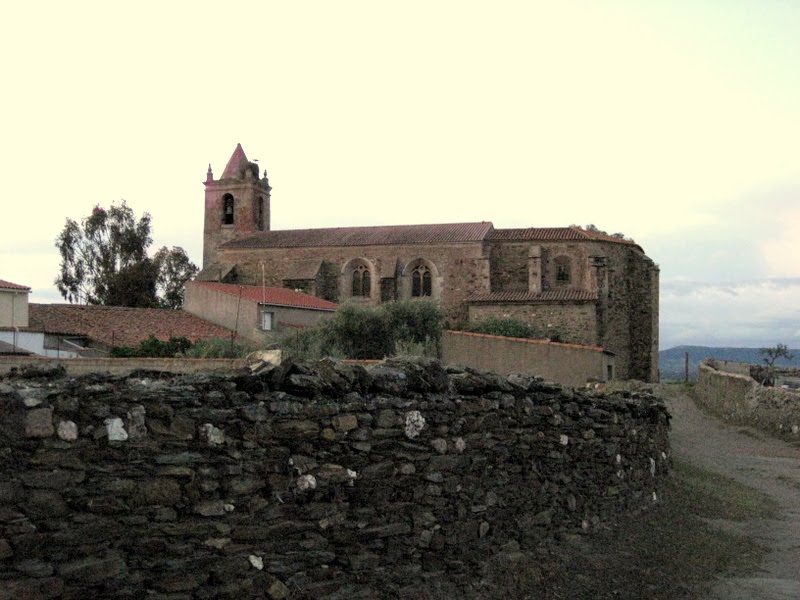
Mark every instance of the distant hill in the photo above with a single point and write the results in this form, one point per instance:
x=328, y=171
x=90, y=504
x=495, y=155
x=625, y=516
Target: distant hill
x=671, y=362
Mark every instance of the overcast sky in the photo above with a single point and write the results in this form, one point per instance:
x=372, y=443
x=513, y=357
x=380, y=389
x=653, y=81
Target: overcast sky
x=676, y=123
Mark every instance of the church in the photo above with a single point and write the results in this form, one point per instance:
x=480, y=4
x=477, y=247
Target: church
x=571, y=284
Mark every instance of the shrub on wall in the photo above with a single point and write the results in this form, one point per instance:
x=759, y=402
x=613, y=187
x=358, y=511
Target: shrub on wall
x=508, y=327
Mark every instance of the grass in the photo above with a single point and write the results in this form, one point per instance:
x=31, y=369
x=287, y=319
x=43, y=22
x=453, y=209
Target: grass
x=716, y=497
x=671, y=552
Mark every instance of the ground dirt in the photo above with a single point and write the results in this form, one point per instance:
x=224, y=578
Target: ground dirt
x=761, y=462
x=727, y=525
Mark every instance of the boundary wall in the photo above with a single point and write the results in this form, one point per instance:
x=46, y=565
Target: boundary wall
x=567, y=364
x=120, y=366
x=324, y=480
x=741, y=399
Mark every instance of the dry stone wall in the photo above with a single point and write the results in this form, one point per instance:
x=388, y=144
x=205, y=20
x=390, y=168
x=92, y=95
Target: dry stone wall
x=306, y=481
x=741, y=399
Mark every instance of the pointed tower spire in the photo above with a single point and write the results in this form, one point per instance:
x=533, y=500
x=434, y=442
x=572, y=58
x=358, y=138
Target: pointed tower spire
x=235, y=164
x=236, y=205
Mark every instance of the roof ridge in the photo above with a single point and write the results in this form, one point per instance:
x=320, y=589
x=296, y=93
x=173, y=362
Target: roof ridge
x=366, y=235
x=380, y=226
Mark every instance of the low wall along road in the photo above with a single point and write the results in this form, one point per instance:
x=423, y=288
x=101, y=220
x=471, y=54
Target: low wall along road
x=322, y=480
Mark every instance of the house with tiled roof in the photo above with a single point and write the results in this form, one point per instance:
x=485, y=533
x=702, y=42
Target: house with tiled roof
x=256, y=313
x=573, y=284
x=77, y=330
x=13, y=304
x=106, y=327
x=13, y=316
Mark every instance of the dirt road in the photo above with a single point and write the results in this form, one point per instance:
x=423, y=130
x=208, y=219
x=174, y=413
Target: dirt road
x=764, y=463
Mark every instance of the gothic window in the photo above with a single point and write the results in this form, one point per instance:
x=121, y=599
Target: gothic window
x=562, y=270
x=362, y=282
x=421, y=282
x=227, y=209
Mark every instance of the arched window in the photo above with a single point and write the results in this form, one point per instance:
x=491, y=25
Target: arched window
x=362, y=282
x=421, y=282
x=562, y=269
x=227, y=209
x=260, y=215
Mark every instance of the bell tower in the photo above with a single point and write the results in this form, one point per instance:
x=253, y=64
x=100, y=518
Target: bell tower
x=237, y=204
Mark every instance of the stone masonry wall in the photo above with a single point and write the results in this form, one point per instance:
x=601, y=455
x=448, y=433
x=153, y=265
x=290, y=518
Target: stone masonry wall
x=462, y=267
x=306, y=481
x=566, y=321
x=740, y=399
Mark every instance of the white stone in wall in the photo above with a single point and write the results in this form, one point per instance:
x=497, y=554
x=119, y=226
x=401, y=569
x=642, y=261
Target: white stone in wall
x=306, y=482
x=136, y=425
x=116, y=430
x=440, y=445
x=460, y=444
x=68, y=431
x=563, y=439
x=415, y=422
x=212, y=435
x=652, y=467
x=256, y=561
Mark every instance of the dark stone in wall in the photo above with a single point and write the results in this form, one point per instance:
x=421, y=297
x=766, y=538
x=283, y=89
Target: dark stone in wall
x=321, y=480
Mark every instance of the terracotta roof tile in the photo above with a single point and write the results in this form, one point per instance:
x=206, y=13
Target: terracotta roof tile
x=442, y=233
x=119, y=325
x=552, y=234
x=270, y=295
x=527, y=340
x=7, y=285
x=532, y=297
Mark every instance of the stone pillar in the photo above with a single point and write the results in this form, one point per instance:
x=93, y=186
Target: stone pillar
x=535, y=269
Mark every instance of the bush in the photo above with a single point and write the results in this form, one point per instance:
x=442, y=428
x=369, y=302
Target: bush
x=153, y=348
x=220, y=348
x=411, y=327
x=414, y=321
x=360, y=332
x=309, y=344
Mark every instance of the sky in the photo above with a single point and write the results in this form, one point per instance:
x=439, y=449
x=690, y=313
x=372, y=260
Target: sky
x=676, y=123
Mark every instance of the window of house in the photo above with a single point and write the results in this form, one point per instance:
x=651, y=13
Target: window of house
x=421, y=282
x=362, y=282
x=609, y=372
x=227, y=209
x=267, y=321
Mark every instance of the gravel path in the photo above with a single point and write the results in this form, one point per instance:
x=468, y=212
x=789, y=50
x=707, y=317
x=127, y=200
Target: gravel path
x=764, y=463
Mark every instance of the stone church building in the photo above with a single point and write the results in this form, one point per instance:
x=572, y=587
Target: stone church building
x=572, y=284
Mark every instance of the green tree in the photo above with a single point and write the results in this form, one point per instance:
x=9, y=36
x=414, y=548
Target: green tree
x=774, y=353
x=104, y=261
x=173, y=270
